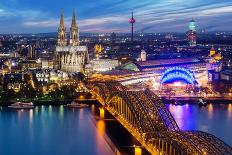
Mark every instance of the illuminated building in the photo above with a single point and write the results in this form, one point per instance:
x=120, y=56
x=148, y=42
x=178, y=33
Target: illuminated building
x=176, y=74
x=159, y=67
x=47, y=64
x=98, y=50
x=102, y=65
x=5, y=70
x=30, y=64
x=212, y=52
x=214, y=61
x=163, y=64
x=74, y=33
x=13, y=82
x=70, y=57
x=62, y=38
x=190, y=70
x=214, y=56
x=191, y=34
x=132, y=21
x=47, y=76
x=143, y=55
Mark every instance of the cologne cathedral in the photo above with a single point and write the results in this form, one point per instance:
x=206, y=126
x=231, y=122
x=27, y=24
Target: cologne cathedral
x=69, y=55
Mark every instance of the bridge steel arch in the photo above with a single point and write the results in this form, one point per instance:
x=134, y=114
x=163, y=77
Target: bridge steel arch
x=144, y=115
x=128, y=109
x=100, y=92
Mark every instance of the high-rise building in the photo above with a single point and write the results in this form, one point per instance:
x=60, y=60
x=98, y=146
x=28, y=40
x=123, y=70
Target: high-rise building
x=191, y=34
x=70, y=57
x=132, y=21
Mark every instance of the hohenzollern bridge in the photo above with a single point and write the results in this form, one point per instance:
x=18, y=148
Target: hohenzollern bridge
x=144, y=115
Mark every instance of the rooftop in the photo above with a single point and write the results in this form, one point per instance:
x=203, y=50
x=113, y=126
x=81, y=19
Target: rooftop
x=167, y=62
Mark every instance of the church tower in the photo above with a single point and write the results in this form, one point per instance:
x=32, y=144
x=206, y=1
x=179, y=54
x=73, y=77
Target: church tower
x=62, y=39
x=74, y=32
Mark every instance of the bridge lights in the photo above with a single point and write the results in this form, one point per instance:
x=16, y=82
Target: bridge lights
x=102, y=113
x=138, y=150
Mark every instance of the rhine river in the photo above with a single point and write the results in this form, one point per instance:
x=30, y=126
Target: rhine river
x=51, y=130
x=57, y=130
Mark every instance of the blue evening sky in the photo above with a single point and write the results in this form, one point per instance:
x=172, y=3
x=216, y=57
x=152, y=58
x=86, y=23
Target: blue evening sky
x=26, y=16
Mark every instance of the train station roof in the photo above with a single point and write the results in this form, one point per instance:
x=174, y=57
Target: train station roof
x=152, y=64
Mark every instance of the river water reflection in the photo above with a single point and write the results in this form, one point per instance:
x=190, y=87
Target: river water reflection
x=51, y=130
x=214, y=118
x=56, y=130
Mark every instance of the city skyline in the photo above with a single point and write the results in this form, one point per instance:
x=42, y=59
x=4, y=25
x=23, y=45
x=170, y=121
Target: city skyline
x=25, y=16
x=116, y=77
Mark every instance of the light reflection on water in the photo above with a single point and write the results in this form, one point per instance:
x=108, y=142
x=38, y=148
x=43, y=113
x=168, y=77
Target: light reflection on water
x=229, y=111
x=61, y=112
x=100, y=134
x=51, y=130
x=210, y=111
x=214, y=118
x=31, y=116
x=50, y=110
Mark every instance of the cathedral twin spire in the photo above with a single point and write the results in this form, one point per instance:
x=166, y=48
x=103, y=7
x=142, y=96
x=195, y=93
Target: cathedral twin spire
x=74, y=32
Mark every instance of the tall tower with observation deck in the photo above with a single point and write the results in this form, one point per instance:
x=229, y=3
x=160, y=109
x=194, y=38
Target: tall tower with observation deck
x=132, y=21
x=70, y=56
x=191, y=34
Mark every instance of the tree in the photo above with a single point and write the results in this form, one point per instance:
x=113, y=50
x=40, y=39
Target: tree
x=68, y=91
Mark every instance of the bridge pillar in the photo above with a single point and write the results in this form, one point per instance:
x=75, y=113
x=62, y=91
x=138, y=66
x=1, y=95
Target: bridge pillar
x=170, y=151
x=138, y=150
x=93, y=108
x=102, y=113
x=162, y=147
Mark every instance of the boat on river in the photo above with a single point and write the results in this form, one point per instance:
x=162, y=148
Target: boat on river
x=75, y=104
x=22, y=105
x=177, y=103
x=201, y=102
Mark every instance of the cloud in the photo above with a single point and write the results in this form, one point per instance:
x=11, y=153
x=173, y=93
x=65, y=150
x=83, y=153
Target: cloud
x=84, y=23
x=22, y=14
x=4, y=13
x=216, y=11
x=42, y=24
x=103, y=20
x=109, y=16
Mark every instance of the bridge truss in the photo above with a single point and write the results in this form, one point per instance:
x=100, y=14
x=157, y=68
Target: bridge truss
x=144, y=115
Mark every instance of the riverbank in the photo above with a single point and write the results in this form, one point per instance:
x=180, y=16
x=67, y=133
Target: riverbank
x=48, y=102
x=44, y=102
x=181, y=98
x=195, y=102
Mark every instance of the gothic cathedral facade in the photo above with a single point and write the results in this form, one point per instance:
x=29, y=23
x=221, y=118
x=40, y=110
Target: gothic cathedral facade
x=70, y=56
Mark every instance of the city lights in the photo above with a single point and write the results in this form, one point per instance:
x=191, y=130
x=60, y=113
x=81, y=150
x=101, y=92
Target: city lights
x=116, y=77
